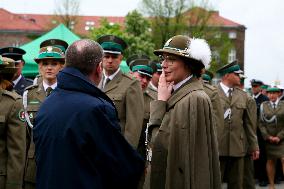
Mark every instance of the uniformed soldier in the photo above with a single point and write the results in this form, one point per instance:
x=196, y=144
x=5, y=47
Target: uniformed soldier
x=12, y=130
x=207, y=77
x=157, y=67
x=19, y=81
x=214, y=96
x=249, y=182
x=272, y=129
x=50, y=61
x=260, y=164
x=238, y=126
x=124, y=90
x=142, y=71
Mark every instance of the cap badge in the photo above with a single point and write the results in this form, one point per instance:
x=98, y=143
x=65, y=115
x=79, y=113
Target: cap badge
x=49, y=49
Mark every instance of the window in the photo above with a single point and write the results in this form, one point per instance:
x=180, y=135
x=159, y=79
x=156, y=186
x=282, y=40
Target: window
x=232, y=55
x=232, y=35
x=216, y=56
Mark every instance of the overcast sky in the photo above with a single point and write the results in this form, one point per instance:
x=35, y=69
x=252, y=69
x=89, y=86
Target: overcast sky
x=264, y=51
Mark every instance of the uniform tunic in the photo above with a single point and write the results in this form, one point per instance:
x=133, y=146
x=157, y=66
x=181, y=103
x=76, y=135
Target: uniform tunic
x=12, y=141
x=273, y=128
x=185, y=151
x=35, y=96
x=127, y=96
x=212, y=92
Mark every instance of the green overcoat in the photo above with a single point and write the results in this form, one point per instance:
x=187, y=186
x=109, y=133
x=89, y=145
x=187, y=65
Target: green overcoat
x=185, y=151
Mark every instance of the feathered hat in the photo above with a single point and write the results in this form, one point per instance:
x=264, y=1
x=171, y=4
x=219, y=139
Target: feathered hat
x=191, y=48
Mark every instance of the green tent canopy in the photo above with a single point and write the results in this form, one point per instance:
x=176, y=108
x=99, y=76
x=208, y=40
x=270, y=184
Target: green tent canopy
x=32, y=48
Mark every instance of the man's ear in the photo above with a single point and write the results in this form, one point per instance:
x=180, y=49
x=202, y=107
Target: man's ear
x=99, y=68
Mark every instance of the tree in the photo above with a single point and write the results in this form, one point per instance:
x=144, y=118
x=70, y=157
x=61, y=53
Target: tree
x=135, y=32
x=187, y=17
x=166, y=18
x=67, y=12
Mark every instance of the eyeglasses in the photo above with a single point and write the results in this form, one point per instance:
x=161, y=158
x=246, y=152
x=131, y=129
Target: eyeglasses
x=168, y=59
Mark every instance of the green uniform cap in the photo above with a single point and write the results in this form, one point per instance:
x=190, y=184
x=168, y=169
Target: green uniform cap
x=141, y=64
x=55, y=43
x=230, y=68
x=50, y=52
x=112, y=44
x=272, y=89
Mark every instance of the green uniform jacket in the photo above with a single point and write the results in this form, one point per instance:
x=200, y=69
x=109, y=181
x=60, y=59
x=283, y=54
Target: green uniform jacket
x=185, y=150
x=127, y=95
x=272, y=127
x=214, y=96
x=239, y=127
x=12, y=141
x=35, y=97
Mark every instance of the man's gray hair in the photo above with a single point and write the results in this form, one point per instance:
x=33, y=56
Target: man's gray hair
x=85, y=55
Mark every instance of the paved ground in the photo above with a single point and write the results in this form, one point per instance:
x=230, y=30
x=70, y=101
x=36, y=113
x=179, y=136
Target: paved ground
x=277, y=186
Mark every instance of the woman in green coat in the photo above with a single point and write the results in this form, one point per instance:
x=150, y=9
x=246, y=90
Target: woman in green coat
x=185, y=152
x=272, y=129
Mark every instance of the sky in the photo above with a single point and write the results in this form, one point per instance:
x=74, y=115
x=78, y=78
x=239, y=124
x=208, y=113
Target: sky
x=264, y=41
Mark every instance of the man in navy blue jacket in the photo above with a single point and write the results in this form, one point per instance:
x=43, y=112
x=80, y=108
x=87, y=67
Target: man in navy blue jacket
x=77, y=134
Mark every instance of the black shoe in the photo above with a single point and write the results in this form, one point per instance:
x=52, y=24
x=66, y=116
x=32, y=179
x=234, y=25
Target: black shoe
x=263, y=183
x=277, y=181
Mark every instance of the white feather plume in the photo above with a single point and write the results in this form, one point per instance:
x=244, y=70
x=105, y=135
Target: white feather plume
x=200, y=50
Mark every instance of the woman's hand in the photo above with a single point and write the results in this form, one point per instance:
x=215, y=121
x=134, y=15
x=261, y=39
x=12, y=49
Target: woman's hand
x=164, y=88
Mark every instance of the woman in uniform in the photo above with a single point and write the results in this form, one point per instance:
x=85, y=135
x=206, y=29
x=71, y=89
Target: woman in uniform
x=185, y=152
x=12, y=130
x=272, y=129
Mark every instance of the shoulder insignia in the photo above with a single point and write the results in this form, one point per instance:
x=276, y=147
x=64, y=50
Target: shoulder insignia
x=13, y=95
x=21, y=115
x=128, y=76
x=31, y=87
x=212, y=88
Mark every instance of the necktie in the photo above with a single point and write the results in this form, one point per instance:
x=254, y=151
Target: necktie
x=48, y=91
x=106, y=82
x=230, y=94
x=274, y=105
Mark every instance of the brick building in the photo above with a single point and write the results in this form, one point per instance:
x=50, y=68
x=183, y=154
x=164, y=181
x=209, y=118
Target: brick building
x=18, y=29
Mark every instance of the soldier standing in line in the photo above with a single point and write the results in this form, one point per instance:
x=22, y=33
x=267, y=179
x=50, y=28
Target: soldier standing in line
x=214, y=96
x=19, y=81
x=12, y=130
x=272, y=129
x=249, y=181
x=50, y=61
x=142, y=71
x=259, y=164
x=122, y=89
x=238, y=127
x=153, y=85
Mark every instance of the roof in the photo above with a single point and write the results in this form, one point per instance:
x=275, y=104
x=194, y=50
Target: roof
x=43, y=23
x=10, y=21
x=214, y=19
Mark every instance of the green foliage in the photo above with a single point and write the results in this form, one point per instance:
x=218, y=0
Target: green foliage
x=135, y=33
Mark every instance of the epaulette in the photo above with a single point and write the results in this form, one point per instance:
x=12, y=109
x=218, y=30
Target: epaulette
x=128, y=76
x=239, y=89
x=31, y=87
x=13, y=95
x=210, y=87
